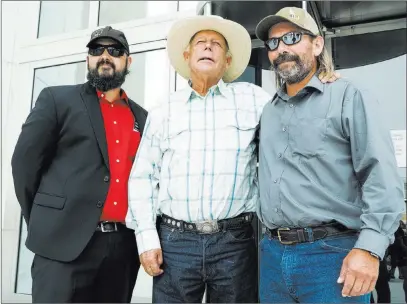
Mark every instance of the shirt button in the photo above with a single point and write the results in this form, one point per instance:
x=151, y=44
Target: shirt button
x=275, y=181
x=112, y=106
x=103, y=95
x=117, y=180
x=117, y=141
x=279, y=155
x=99, y=204
x=115, y=203
x=291, y=105
x=106, y=178
x=115, y=122
x=284, y=129
x=117, y=160
x=276, y=209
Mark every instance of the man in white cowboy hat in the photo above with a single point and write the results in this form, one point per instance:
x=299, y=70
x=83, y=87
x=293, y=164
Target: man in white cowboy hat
x=196, y=170
x=330, y=195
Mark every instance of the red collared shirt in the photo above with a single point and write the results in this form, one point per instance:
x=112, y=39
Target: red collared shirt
x=123, y=139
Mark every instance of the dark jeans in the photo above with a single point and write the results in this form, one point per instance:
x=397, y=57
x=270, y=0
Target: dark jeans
x=225, y=263
x=304, y=273
x=105, y=272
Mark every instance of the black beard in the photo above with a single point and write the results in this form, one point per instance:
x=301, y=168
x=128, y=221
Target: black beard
x=291, y=77
x=106, y=83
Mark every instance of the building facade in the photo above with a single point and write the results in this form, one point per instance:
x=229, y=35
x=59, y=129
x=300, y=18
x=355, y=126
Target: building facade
x=43, y=44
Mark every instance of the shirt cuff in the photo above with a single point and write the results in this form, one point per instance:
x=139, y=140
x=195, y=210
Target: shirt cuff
x=147, y=240
x=373, y=242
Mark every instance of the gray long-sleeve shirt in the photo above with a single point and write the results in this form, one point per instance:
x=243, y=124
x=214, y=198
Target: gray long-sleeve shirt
x=324, y=155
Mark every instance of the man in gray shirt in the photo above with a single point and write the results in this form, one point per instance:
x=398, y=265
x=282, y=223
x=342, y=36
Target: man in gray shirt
x=330, y=195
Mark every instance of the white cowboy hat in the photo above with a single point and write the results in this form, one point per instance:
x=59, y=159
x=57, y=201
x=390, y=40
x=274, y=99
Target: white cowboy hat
x=238, y=39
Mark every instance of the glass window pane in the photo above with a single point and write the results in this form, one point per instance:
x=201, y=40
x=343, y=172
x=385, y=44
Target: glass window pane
x=111, y=12
x=25, y=258
x=68, y=74
x=149, y=80
x=187, y=5
x=57, y=17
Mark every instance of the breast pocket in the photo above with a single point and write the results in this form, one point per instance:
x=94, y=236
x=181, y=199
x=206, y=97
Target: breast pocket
x=307, y=136
x=244, y=125
x=179, y=136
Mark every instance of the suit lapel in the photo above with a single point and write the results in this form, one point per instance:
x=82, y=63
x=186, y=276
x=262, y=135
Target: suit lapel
x=139, y=115
x=91, y=101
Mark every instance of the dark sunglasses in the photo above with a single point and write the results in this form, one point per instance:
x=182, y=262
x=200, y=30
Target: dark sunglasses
x=113, y=51
x=288, y=39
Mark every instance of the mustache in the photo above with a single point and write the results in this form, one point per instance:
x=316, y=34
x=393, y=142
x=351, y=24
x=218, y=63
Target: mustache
x=105, y=61
x=285, y=57
x=105, y=83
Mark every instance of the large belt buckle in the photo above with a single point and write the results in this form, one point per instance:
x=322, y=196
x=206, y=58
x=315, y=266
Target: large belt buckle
x=279, y=236
x=102, y=227
x=207, y=227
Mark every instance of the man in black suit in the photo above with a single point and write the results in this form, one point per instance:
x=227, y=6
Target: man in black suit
x=70, y=167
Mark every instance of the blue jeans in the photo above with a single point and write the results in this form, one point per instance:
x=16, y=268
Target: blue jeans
x=306, y=272
x=225, y=263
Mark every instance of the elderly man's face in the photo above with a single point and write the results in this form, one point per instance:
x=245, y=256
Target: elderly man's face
x=207, y=54
x=294, y=62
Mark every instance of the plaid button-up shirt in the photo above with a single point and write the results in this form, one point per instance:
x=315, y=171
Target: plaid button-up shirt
x=196, y=160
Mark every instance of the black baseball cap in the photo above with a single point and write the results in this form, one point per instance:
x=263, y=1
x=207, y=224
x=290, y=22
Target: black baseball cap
x=109, y=32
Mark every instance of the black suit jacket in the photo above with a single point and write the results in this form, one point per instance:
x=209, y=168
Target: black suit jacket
x=60, y=169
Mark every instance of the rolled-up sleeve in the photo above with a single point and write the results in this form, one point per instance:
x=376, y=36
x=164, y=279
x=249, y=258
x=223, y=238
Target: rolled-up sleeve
x=144, y=184
x=375, y=166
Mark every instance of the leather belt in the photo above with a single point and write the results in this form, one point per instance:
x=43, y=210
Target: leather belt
x=289, y=236
x=208, y=227
x=110, y=226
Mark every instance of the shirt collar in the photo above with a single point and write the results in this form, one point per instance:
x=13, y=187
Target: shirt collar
x=314, y=83
x=123, y=96
x=220, y=87
x=282, y=93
